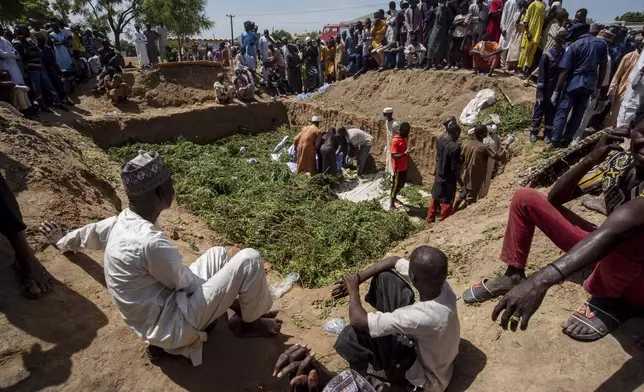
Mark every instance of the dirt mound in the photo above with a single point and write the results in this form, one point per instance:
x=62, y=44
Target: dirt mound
x=44, y=167
x=424, y=99
x=178, y=86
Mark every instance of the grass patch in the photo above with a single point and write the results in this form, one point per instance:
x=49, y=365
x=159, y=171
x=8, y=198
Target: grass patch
x=296, y=222
x=514, y=118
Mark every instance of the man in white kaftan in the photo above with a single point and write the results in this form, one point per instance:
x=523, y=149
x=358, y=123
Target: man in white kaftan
x=165, y=303
x=634, y=94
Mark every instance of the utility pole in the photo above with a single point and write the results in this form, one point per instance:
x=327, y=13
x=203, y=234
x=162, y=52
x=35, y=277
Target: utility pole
x=232, y=33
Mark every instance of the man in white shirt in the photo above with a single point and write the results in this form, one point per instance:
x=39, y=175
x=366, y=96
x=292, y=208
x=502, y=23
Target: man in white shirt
x=388, y=113
x=360, y=141
x=414, y=53
x=264, y=41
x=165, y=303
x=381, y=339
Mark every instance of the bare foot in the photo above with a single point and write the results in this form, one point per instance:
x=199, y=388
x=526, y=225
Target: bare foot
x=35, y=280
x=262, y=327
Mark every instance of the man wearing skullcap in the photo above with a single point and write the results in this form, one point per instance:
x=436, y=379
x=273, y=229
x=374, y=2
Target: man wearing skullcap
x=165, y=303
x=388, y=113
x=583, y=68
x=307, y=142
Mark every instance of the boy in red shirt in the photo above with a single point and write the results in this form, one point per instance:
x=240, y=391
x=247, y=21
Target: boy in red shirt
x=399, y=161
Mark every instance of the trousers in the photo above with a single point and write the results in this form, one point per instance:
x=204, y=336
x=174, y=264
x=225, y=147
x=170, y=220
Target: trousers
x=397, y=183
x=620, y=274
x=434, y=206
x=387, y=293
x=575, y=101
x=543, y=110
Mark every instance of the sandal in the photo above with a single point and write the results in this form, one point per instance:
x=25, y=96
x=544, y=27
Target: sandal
x=602, y=315
x=479, y=293
x=27, y=284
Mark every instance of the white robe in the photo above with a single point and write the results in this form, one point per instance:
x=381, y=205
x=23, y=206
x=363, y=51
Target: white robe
x=164, y=302
x=392, y=26
x=8, y=57
x=633, y=97
x=390, y=135
x=140, y=44
x=508, y=23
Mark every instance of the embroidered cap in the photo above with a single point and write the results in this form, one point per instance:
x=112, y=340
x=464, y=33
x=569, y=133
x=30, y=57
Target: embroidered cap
x=144, y=173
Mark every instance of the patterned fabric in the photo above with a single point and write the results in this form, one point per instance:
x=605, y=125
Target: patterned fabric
x=348, y=381
x=144, y=173
x=611, y=177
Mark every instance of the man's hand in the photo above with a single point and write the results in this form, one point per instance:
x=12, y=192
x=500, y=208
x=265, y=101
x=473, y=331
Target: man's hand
x=554, y=100
x=609, y=142
x=352, y=283
x=339, y=289
x=410, y=150
x=298, y=363
x=521, y=303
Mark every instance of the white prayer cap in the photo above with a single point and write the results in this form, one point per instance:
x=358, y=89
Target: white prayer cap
x=308, y=39
x=316, y=119
x=388, y=111
x=395, y=127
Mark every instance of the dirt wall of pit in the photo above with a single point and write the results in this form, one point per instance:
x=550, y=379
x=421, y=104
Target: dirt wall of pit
x=422, y=163
x=201, y=125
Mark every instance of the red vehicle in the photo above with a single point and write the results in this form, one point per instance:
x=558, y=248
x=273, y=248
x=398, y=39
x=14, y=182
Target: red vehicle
x=331, y=30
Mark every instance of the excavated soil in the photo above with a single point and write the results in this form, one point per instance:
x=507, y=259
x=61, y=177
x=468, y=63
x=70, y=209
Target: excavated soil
x=74, y=339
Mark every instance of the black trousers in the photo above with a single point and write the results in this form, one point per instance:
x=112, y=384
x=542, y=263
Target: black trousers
x=397, y=183
x=392, y=354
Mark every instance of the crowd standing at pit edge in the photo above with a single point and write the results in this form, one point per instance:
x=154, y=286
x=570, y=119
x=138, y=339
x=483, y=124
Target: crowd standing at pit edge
x=412, y=337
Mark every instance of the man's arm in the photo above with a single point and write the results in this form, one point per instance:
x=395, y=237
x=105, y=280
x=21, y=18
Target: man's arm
x=524, y=300
x=387, y=264
x=357, y=313
x=566, y=188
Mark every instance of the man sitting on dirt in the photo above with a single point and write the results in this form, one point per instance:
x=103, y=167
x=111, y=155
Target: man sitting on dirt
x=115, y=87
x=224, y=92
x=244, y=86
x=167, y=304
x=617, y=282
x=474, y=165
x=410, y=342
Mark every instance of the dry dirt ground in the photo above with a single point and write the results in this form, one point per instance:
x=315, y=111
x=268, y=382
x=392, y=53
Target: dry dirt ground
x=74, y=339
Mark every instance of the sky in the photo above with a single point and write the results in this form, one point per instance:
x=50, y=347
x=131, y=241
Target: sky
x=298, y=16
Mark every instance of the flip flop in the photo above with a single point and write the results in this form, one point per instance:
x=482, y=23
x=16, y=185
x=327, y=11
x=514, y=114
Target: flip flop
x=479, y=293
x=602, y=315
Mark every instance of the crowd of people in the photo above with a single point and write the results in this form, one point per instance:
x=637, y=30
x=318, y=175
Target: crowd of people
x=582, y=71
x=41, y=65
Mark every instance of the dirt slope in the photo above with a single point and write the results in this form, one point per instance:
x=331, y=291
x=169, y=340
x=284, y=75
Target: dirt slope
x=74, y=339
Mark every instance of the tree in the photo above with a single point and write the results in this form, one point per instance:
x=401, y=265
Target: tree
x=281, y=35
x=313, y=34
x=631, y=17
x=115, y=14
x=183, y=18
x=14, y=12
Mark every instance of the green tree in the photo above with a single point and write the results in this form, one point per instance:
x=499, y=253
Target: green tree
x=313, y=34
x=113, y=14
x=281, y=35
x=14, y=12
x=183, y=18
x=631, y=17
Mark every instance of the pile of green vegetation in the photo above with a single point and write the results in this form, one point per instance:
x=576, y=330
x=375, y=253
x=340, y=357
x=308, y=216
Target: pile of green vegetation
x=296, y=222
x=514, y=118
